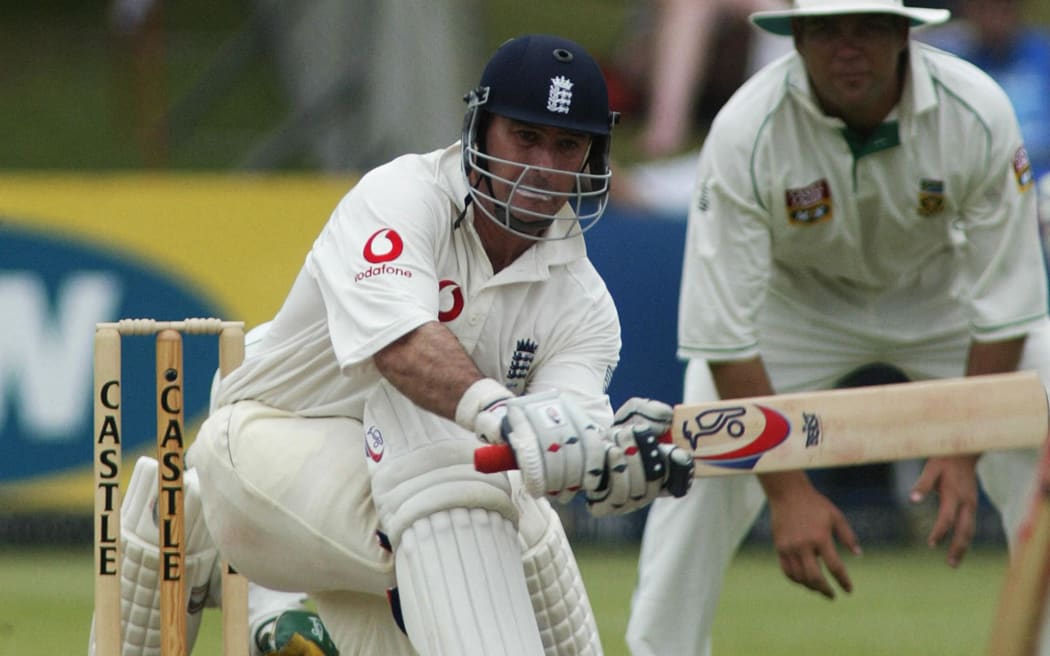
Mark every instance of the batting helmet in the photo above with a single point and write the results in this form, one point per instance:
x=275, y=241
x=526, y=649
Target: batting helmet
x=551, y=81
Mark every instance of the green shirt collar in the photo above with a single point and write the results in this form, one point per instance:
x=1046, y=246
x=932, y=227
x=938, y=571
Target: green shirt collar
x=885, y=136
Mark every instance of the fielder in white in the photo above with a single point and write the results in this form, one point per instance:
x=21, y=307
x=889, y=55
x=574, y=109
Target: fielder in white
x=447, y=303
x=865, y=199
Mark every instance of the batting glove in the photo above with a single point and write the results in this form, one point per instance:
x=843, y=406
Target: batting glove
x=481, y=410
x=558, y=448
x=642, y=464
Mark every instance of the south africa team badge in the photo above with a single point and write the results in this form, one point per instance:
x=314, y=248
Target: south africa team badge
x=931, y=197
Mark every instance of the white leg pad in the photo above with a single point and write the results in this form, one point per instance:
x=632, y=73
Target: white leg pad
x=140, y=562
x=559, y=599
x=462, y=587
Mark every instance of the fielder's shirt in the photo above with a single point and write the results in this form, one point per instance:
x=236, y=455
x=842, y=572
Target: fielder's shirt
x=392, y=257
x=927, y=227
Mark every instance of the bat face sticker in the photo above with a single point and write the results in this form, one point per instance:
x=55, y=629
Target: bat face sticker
x=735, y=436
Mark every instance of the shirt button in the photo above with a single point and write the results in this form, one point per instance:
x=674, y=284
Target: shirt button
x=475, y=319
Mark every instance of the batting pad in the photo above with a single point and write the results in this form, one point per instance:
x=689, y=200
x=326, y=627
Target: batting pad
x=462, y=587
x=559, y=599
x=140, y=562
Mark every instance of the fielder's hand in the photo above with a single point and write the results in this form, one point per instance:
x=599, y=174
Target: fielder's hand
x=642, y=465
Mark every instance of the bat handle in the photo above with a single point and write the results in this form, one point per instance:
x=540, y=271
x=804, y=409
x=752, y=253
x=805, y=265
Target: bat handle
x=495, y=458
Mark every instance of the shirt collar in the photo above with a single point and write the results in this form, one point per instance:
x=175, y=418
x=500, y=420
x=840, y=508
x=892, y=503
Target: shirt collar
x=917, y=96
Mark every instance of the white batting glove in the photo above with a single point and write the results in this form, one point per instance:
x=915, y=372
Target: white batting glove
x=640, y=466
x=558, y=449
x=481, y=410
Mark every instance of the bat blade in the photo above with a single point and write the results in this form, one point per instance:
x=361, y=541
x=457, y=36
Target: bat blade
x=1017, y=627
x=861, y=425
x=837, y=428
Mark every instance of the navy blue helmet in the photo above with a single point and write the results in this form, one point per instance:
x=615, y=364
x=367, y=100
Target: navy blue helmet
x=543, y=80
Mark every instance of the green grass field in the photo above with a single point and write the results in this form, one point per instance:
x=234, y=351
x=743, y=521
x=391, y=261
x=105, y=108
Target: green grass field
x=906, y=603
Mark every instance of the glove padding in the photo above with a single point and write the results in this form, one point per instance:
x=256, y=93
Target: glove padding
x=640, y=466
x=296, y=633
x=559, y=450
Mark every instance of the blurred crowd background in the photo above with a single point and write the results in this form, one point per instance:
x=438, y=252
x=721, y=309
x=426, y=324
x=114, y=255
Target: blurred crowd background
x=347, y=84
x=334, y=87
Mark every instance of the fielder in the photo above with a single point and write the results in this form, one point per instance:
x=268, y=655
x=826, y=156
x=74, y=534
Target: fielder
x=448, y=302
x=863, y=200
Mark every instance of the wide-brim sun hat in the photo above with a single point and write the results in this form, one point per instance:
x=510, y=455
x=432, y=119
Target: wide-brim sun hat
x=779, y=21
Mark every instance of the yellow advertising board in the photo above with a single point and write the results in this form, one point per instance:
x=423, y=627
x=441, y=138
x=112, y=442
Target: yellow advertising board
x=79, y=249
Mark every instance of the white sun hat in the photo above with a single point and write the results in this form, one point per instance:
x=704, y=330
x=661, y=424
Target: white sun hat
x=779, y=21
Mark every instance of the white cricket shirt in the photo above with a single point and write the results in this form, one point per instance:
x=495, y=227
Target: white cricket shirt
x=928, y=227
x=392, y=258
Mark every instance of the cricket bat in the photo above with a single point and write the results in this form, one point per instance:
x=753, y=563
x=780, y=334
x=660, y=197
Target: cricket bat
x=1017, y=627
x=853, y=426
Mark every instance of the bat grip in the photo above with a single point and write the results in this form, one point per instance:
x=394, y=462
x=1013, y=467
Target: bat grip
x=495, y=458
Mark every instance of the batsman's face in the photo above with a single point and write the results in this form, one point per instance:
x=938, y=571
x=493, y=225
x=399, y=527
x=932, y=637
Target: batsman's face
x=853, y=61
x=534, y=167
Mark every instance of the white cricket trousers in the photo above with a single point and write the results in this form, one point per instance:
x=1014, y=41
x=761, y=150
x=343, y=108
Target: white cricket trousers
x=688, y=543
x=288, y=501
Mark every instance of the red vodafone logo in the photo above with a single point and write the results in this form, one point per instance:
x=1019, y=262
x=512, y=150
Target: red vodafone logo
x=383, y=246
x=450, y=300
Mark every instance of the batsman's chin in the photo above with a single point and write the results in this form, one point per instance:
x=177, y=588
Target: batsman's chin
x=533, y=207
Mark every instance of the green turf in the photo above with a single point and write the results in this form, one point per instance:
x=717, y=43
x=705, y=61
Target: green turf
x=906, y=602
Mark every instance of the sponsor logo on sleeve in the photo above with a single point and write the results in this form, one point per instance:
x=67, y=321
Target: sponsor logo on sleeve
x=384, y=246
x=703, y=196
x=1023, y=169
x=809, y=205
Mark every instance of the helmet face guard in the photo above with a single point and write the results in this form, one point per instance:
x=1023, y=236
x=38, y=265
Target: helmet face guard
x=549, y=81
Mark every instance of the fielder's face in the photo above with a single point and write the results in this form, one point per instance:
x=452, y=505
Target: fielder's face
x=533, y=167
x=853, y=63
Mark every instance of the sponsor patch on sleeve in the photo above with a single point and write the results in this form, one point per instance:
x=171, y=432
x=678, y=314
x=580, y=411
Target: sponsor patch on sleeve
x=1023, y=169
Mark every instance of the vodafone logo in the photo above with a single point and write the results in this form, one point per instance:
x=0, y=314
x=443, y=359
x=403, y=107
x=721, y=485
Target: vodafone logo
x=383, y=246
x=450, y=300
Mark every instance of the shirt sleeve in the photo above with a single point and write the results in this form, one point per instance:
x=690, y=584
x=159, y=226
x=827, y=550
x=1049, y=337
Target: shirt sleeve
x=727, y=259
x=375, y=263
x=1003, y=269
